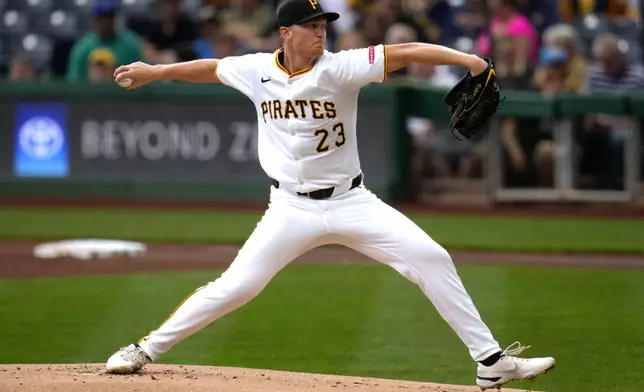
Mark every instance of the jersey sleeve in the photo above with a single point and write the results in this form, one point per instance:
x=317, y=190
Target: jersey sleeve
x=356, y=68
x=239, y=72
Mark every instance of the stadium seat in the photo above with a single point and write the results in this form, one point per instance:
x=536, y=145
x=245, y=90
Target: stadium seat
x=16, y=4
x=63, y=24
x=9, y=44
x=38, y=5
x=191, y=7
x=136, y=8
x=39, y=47
x=36, y=46
x=634, y=51
x=626, y=29
x=14, y=21
x=590, y=25
x=464, y=44
x=81, y=6
x=38, y=21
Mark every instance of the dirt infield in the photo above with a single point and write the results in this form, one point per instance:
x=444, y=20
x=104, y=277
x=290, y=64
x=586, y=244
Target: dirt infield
x=17, y=260
x=159, y=378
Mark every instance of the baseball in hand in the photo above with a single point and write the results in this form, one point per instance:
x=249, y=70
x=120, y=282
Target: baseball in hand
x=127, y=82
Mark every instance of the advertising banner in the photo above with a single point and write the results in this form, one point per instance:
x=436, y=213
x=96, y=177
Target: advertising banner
x=159, y=140
x=40, y=141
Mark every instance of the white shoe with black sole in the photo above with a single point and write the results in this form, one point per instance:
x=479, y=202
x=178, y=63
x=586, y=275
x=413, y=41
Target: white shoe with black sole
x=511, y=368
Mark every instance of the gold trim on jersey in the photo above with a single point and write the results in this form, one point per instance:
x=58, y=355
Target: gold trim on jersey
x=145, y=338
x=384, y=51
x=283, y=69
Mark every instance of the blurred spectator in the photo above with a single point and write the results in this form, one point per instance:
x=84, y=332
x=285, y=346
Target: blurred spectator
x=506, y=60
x=435, y=147
x=247, y=20
x=124, y=44
x=347, y=22
x=466, y=20
x=219, y=46
x=507, y=23
x=420, y=12
x=169, y=38
x=23, y=68
x=400, y=33
x=563, y=37
x=418, y=74
x=604, y=137
x=528, y=147
x=528, y=143
x=542, y=13
x=361, y=7
x=433, y=144
x=102, y=64
x=350, y=40
x=552, y=67
x=214, y=43
x=611, y=9
x=214, y=3
x=612, y=70
x=447, y=156
x=381, y=15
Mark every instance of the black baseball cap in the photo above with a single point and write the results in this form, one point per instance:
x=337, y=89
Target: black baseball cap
x=292, y=12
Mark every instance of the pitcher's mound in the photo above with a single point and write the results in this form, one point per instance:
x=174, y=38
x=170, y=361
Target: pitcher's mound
x=171, y=378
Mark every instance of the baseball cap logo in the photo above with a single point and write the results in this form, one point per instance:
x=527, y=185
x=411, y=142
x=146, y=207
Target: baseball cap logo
x=291, y=12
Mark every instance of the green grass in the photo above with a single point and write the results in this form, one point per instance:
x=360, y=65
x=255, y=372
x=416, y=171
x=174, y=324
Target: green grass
x=355, y=319
x=454, y=232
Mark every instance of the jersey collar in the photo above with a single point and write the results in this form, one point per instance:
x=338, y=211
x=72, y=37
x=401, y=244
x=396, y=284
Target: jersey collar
x=279, y=61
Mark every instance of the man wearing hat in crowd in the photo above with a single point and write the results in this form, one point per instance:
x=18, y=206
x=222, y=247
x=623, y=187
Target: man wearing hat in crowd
x=102, y=63
x=124, y=44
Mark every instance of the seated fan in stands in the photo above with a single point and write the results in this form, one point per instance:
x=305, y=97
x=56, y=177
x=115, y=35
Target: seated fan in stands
x=123, y=43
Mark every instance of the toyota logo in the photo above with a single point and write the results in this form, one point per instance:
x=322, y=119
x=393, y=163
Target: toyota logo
x=41, y=138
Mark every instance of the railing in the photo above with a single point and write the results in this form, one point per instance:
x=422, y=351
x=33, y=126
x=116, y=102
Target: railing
x=567, y=114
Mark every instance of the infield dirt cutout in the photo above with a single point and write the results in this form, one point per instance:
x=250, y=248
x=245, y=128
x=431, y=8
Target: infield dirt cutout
x=176, y=378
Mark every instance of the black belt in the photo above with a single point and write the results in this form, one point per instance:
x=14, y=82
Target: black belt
x=323, y=193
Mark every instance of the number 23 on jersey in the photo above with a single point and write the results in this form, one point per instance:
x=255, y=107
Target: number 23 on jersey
x=338, y=130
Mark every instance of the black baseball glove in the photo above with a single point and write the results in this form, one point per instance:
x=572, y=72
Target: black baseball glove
x=472, y=101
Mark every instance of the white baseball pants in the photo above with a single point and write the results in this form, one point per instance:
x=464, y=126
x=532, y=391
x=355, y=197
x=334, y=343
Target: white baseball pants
x=293, y=225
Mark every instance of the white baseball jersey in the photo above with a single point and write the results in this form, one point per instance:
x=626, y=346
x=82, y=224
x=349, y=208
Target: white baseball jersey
x=307, y=120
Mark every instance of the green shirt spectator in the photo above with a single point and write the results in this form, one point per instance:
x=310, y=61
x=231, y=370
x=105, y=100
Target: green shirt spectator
x=125, y=45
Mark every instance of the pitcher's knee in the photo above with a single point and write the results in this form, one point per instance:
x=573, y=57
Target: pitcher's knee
x=443, y=255
x=240, y=288
x=433, y=253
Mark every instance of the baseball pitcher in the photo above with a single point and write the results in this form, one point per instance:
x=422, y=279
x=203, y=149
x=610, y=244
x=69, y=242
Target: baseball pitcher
x=306, y=100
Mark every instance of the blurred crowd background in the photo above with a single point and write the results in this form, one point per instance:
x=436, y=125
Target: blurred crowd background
x=544, y=46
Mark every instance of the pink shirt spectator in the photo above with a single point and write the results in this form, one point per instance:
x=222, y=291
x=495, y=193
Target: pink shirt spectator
x=517, y=26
